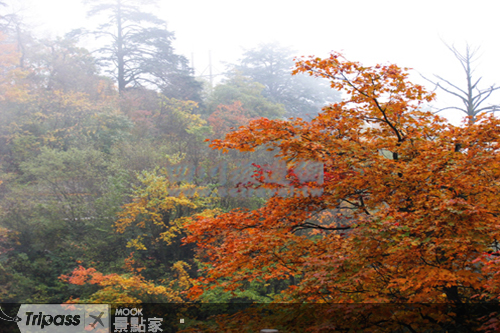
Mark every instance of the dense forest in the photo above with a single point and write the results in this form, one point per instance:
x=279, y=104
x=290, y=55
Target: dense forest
x=126, y=179
x=93, y=142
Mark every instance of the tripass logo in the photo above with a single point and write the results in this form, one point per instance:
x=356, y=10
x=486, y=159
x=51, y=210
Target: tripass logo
x=44, y=320
x=67, y=318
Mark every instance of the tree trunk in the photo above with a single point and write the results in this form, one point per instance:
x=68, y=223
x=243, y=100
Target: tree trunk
x=119, y=53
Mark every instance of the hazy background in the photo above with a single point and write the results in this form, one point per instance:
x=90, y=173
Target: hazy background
x=408, y=34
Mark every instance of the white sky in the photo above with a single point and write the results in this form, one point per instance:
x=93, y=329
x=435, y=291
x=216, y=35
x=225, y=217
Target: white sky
x=369, y=31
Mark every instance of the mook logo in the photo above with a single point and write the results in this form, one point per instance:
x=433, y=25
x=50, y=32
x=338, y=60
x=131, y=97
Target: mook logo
x=128, y=312
x=64, y=318
x=128, y=320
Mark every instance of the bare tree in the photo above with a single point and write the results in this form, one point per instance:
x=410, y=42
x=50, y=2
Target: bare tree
x=472, y=97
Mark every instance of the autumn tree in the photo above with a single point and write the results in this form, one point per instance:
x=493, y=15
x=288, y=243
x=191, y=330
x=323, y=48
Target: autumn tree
x=131, y=288
x=227, y=118
x=153, y=220
x=416, y=220
x=232, y=104
x=152, y=223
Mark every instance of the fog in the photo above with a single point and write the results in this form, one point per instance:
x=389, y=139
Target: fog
x=366, y=31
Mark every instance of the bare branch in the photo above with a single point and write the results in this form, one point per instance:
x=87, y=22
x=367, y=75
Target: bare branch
x=470, y=98
x=489, y=93
x=451, y=84
x=451, y=107
x=491, y=108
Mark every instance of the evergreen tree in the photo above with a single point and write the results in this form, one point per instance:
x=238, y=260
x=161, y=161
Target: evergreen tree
x=139, y=49
x=271, y=65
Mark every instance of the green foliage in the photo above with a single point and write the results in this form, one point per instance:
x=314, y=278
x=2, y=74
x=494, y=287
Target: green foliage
x=58, y=120
x=253, y=292
x=249, y=93
x=58, y=211
x=107, y=129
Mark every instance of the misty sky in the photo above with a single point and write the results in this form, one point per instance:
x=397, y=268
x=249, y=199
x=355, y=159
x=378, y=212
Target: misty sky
x=406, y=33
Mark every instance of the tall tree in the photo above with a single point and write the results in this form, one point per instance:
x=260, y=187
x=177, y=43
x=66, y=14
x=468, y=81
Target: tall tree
x=471, y=96
x=139, y=49
x=419, y=227
x=271, y=65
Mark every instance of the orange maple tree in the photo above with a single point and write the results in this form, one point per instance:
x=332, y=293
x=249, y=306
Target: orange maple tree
x=130, y=288
x=408, y=213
